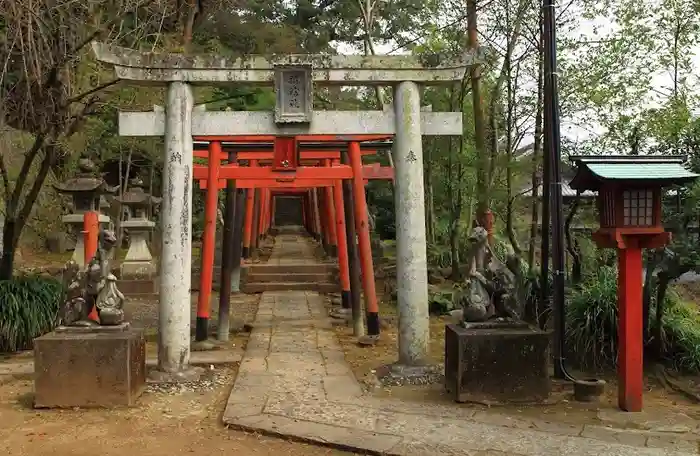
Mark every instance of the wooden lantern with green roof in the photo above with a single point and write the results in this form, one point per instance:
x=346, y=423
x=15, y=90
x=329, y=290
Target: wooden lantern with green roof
x=629, y=205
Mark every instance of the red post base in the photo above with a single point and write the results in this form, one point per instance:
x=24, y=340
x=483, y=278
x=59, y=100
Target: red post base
x=630, y=329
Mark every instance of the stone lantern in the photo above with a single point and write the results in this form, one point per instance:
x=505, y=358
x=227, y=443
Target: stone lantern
x=139, y=261
x=86, y=190
x=629, y=206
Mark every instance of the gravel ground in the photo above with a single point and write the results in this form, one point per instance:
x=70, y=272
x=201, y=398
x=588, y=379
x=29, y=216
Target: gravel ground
x=144, y=313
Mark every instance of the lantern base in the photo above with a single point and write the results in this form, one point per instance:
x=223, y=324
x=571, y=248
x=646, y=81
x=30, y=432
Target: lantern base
x=623, y=238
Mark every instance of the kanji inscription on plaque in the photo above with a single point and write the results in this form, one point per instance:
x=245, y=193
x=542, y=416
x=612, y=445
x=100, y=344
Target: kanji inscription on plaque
x=293, y=87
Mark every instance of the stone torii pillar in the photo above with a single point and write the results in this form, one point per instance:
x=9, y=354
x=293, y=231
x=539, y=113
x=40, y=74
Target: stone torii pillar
x=176, y=252
x=411, y=254
x=293, y=77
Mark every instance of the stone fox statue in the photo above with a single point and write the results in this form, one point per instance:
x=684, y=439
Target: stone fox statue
x=475, y=298
x=492, y=289
x=95, y=286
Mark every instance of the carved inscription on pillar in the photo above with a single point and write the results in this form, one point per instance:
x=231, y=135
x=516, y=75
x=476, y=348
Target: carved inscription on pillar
x=294, y=94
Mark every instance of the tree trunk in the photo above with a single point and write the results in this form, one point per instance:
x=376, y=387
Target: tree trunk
x=7, y=260
x=454, y=213
x=188, y=28
x=429, y=206
x=510, y=115
x=536, y=153
x=19, y=209
x=482, y=204
x=571, y=246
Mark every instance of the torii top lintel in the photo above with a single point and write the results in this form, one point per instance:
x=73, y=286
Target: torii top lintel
x=346, y=70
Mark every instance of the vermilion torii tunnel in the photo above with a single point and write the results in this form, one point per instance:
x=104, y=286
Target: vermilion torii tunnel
x=272, y=170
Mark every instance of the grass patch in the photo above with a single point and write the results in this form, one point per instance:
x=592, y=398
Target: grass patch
x=28, y=309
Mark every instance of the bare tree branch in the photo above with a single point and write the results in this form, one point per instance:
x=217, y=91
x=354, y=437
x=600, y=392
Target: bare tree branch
x=24, y=172
x=94, y=90
x=23, y=215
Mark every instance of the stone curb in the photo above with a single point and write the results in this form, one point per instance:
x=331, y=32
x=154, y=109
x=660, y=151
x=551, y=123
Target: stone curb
x=216, y=358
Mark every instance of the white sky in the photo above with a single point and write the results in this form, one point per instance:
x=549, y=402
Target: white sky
x=660, y=83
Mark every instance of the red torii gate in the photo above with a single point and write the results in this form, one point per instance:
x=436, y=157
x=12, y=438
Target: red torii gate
x=292, y=168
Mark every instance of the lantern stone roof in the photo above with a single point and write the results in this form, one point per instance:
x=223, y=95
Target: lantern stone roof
x=88, y=180
x=656, y=170
x=136, y=196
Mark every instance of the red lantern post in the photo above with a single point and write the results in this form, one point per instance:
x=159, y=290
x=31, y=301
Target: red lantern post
x=629, y=207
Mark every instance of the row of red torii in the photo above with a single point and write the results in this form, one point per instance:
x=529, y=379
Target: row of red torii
x=321, y=191
x=290, y=166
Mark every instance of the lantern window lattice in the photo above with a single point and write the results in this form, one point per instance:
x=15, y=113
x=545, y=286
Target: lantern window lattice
x=638, y=207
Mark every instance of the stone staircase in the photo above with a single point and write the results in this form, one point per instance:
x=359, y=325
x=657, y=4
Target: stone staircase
x=280, y=277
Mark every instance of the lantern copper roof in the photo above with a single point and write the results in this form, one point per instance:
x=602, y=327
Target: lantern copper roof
x=657, y=170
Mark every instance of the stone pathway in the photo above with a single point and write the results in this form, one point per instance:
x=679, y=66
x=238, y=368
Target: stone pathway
x=294, y=382
x=292, y=248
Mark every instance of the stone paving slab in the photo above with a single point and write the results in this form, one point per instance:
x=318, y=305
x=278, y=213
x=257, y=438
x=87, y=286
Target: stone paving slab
x=294, y=382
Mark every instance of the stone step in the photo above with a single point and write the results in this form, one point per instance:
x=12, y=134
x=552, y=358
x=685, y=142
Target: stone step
x=291, y=268
x=254, y=277
x=260, y=287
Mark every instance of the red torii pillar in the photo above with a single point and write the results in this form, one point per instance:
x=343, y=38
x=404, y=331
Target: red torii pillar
x=343, y=257
x=362, y=226
x=208, y=242
x=330, y=216
x=249, y=213
x=322, y=217
x=248, y=221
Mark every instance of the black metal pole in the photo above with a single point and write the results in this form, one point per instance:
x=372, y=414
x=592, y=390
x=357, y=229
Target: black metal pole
x=238, y=240
x=552, y=129
x=254, y=234
x=545, y=230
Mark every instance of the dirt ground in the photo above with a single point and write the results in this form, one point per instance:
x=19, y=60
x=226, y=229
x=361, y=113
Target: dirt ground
x=562, y=408
x=167, y=422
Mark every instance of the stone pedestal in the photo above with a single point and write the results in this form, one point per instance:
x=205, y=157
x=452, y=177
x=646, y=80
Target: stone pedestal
x=138, y=263
x=497, y=363
x=139, y=288
x=89, y=367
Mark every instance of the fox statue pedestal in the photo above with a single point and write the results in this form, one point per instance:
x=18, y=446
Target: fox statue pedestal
x=497, y=363
x=84, y=363
x=100, y=366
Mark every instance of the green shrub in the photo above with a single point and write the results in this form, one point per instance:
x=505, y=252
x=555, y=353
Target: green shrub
x=439, y=256
x=681, y=327
x=28, y=309
x=591, y=317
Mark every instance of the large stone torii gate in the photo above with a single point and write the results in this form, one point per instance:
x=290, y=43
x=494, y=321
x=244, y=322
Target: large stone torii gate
x=293, y=77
